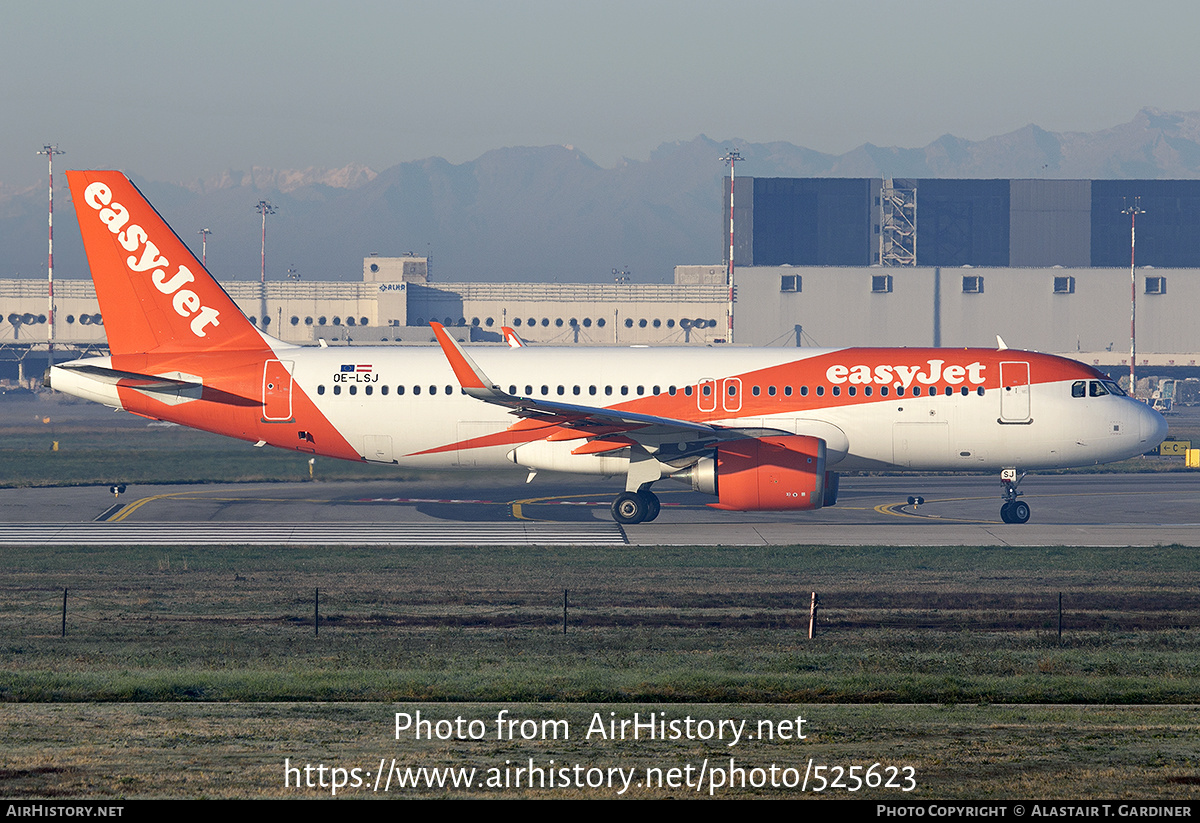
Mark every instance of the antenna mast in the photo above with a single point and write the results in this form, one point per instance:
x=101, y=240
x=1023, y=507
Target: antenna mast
x=264, y=208
x=50, y=151
x=732, y=156
x=1133, y=211
x=204, y=233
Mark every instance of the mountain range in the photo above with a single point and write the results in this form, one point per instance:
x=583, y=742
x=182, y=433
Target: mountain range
x=540, y=214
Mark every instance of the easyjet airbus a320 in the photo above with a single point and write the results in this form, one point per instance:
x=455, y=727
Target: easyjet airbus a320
x=764, y=429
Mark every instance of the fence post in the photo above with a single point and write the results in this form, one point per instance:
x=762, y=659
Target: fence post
x=64, y=613
x=812, y=615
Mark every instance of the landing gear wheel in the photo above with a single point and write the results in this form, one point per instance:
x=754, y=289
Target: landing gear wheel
x=630, y=508
x=653, y=507
x=1019, y=512
x=1013, y=510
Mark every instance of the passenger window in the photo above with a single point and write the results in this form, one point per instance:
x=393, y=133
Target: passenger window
x=591, y=390
x=754, y=391
x=608, y=390
x=545, y=390
x=837, y=390
x=787, y=391
x=771, y=391
x=624, y=390
x=949, y=390
x=899, y=391
x=641, y=390
x=655, y=391
x=337, y=389
x=820, y=391
x=687, y=390
x=383, y=390
x=671, y=390
x=433, y=389
x=804, y=391
x=561, y=391
x=867, y=391
x=399, y=390
x=450, y=390
x=416, y=390
x=979, y=391
x=852, y=391
x=883, y=391
x=575, y=390
x=512, y=389
x=369, y=390
x=707, y=390
x=320, y=389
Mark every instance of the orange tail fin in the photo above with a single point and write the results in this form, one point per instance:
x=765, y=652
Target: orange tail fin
x=154, y=294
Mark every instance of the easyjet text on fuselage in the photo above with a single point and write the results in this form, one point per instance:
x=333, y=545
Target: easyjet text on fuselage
x=930, y=372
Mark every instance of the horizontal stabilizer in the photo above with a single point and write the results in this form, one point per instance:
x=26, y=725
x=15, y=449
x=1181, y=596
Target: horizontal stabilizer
x=133, y=380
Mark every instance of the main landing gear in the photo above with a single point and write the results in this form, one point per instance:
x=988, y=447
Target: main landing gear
x=1013, y=510
x=636, y=507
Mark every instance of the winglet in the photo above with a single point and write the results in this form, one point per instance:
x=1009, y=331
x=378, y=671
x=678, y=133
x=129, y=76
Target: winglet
x=470, y=376
x=513, y=339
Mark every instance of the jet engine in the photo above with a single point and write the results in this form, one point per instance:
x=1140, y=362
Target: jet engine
x=781, y=472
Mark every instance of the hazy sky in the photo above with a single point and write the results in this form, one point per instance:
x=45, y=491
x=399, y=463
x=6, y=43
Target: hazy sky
x=174, y=91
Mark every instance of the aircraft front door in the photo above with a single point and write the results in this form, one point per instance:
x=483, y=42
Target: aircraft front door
x=1014, y=393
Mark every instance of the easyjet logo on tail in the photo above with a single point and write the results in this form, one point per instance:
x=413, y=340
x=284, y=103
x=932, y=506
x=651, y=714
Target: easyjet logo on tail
x=145, y=258
x=928, y=373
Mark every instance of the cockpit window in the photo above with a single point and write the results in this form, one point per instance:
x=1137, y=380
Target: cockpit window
x=1113, y=388
x=1079, y=388
x=1097, y=389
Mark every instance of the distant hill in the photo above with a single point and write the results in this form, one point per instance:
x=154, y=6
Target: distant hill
x=547, y=213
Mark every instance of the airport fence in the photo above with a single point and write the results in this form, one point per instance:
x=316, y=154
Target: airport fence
x=117, y=611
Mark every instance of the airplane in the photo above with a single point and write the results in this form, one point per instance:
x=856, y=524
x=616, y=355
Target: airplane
x=758, y=429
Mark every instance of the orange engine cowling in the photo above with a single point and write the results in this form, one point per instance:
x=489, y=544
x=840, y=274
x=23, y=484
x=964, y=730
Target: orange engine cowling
x=771, y=473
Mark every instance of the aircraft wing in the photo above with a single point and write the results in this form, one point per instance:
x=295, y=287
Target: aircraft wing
x=619, y=425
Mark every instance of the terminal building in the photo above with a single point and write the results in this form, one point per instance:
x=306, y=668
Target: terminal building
x=819, y=262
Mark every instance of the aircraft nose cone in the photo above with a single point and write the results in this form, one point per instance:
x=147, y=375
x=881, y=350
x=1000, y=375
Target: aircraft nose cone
x=1152, y=426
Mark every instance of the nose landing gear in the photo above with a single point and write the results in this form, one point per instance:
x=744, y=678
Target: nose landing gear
x=1013, y=510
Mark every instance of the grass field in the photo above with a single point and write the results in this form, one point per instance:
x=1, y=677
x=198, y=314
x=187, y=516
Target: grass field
x=195, y=672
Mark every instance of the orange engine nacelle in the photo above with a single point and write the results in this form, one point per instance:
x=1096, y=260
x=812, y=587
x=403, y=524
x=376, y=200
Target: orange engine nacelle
x=771, y=473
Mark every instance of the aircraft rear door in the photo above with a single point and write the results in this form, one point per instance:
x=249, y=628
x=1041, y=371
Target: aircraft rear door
x=277, y=391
